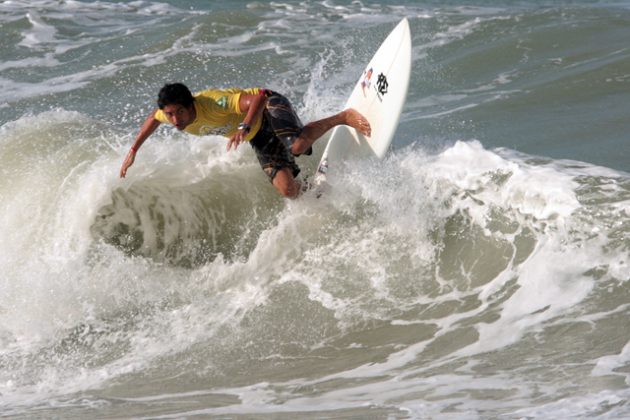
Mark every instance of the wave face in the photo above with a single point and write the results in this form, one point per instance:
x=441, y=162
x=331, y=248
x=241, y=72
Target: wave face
x=480, y=270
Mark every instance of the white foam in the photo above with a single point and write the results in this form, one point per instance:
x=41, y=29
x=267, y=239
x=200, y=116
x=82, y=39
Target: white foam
x=540, y=191
x=614, y=364
x=40, y=32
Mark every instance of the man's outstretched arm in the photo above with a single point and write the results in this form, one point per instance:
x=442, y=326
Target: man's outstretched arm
x=148, y=127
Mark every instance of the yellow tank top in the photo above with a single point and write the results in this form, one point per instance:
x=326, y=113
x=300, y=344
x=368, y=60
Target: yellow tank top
x=218, y=113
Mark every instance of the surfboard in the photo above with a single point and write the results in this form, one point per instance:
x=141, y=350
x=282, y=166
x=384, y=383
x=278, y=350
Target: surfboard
x=379, y=95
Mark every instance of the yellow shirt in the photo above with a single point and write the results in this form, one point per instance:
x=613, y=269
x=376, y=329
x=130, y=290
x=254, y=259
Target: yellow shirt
x=218, y=113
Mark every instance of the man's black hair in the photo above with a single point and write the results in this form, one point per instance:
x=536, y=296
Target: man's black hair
x=175, y=94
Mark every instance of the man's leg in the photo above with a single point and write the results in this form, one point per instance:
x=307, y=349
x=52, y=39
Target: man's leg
x=288, y=127
x=286, y=184
x=314, y=130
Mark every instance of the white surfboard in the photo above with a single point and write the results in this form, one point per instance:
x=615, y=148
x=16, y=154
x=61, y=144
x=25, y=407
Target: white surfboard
x=379, y=95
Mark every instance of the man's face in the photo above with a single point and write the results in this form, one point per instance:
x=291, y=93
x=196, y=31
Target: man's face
x=179, y=115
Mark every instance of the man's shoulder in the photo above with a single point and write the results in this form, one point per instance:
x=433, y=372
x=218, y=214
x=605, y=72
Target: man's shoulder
x=225, y=99
x=214, y=93
x=215, y=97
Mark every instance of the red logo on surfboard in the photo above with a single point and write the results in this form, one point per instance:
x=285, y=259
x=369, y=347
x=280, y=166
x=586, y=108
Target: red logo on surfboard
x=365, y=84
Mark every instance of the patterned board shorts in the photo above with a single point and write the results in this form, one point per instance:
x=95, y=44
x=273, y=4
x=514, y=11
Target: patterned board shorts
x=280, y=127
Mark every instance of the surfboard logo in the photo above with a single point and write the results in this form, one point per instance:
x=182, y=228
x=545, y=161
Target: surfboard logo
x=366, y=83
x=323, y=167
x=381, y=86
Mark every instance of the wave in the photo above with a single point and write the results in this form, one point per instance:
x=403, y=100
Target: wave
x=196, y=260
x=452, y=277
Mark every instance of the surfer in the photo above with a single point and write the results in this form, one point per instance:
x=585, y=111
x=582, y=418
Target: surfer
x=262, y=117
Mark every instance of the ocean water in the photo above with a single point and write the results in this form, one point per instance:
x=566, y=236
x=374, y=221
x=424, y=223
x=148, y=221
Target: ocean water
x=481, y=270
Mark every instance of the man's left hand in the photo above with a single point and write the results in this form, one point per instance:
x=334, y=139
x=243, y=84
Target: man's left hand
x=236, y=139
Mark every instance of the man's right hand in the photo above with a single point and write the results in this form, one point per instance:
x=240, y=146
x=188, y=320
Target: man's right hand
x=131, y=156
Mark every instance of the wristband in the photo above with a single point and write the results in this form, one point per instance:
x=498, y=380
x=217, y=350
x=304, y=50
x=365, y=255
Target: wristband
x=245, y=127
x=134, y=149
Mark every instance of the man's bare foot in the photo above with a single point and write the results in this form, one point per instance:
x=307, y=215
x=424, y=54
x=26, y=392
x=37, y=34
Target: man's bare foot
x=357, y=121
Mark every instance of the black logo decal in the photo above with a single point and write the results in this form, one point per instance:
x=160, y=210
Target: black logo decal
x=381, y=85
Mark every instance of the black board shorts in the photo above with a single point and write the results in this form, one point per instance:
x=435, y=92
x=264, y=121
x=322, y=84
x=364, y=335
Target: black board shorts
x=279, y=129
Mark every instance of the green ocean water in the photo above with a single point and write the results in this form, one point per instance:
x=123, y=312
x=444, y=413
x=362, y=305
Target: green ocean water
x=479, y=271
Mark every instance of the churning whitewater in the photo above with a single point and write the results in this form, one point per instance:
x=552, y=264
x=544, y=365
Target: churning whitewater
x=480, y=270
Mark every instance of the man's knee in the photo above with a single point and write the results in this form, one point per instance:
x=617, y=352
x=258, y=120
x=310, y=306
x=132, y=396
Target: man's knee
x=289, y=191
x=286, y=185
x=301, y=147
